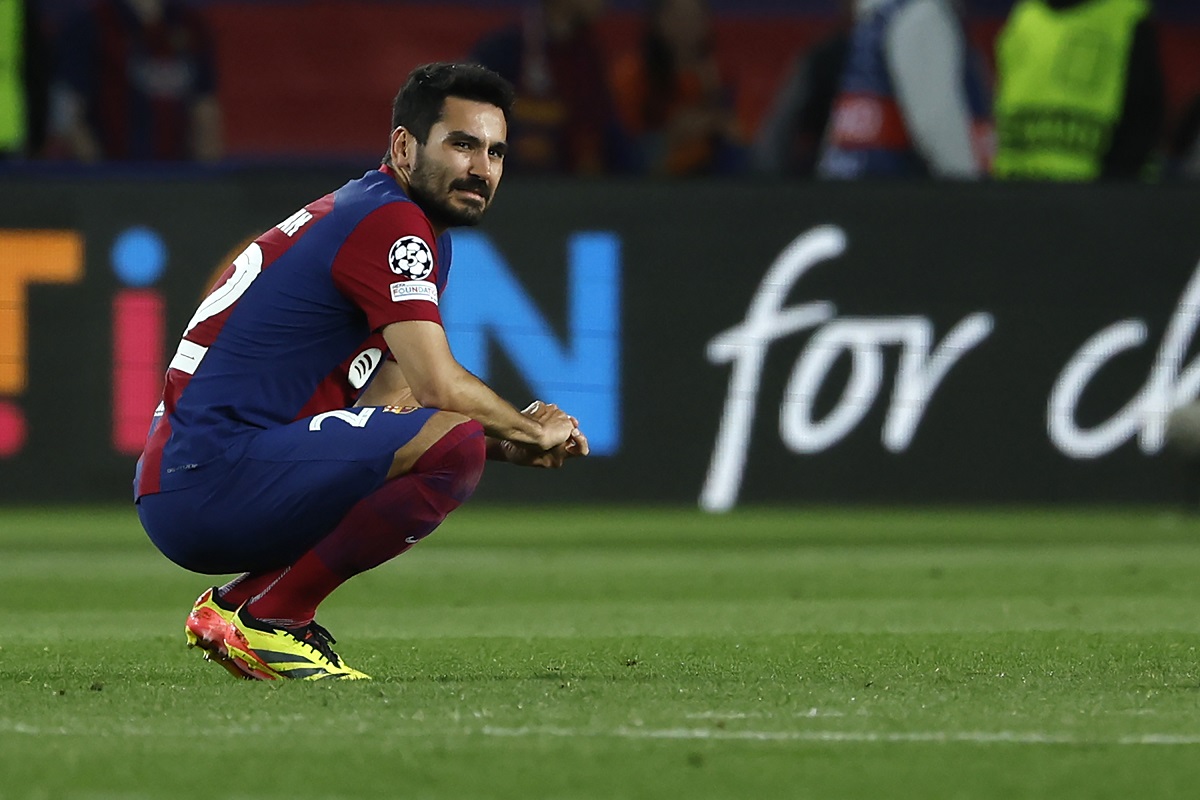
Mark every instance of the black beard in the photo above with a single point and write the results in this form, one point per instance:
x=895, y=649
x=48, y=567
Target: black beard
x=438, y=208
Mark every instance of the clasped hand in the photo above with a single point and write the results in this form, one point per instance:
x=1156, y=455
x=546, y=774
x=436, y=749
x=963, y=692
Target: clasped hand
x=562, y=427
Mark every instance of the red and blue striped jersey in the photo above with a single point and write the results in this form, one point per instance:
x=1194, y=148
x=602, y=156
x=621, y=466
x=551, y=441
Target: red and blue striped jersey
x=292, y=327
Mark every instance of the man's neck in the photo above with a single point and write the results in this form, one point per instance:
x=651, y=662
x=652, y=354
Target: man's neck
x=401, y=178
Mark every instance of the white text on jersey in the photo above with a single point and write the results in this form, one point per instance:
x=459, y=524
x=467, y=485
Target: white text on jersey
x=295, y=222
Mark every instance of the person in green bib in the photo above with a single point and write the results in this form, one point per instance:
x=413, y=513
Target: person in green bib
x=22, y=81
x=1079, y=93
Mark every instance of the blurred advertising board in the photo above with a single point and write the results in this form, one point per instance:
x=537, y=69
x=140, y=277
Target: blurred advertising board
x=723, y=343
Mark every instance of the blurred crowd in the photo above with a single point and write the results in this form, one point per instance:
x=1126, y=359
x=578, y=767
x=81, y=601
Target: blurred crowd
x=1074, y=90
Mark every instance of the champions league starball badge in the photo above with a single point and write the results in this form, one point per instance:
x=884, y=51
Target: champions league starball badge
x=411, y=258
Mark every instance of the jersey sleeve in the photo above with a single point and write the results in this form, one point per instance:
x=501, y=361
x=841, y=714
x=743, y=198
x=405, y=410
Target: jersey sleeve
x=445, y=254
x=388, y=266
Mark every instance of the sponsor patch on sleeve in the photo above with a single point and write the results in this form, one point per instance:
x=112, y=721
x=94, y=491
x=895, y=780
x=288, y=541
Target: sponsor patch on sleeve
x=414, y=290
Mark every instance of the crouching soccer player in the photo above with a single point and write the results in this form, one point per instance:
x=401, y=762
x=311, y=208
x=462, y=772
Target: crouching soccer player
x=314, y=423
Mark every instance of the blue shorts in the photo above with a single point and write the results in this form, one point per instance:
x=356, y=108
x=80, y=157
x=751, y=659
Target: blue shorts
x=279, y=491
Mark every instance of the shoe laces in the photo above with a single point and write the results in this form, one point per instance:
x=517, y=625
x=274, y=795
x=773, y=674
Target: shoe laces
x=318, y=638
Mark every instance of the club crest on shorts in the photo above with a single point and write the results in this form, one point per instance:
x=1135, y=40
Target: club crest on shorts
x=411, y=257
x=399, y=409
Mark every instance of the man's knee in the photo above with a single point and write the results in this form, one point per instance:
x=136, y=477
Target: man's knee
x=454, y=463
x=439, y=425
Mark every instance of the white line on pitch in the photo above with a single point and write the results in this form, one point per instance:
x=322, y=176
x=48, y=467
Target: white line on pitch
x=811, y=713
x=693, y=734
x=970, y=737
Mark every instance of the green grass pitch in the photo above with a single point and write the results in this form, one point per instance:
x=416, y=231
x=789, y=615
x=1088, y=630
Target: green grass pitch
x=626, y=653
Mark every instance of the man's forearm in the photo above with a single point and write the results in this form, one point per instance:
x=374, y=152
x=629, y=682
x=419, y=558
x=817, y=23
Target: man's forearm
x=467, y=395
x=390, y=387
x=438, y=381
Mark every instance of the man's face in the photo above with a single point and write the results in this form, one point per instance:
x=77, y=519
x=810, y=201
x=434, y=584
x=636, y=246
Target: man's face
x=455, y=173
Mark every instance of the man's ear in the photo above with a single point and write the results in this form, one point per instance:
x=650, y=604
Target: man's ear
x=404, y=148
